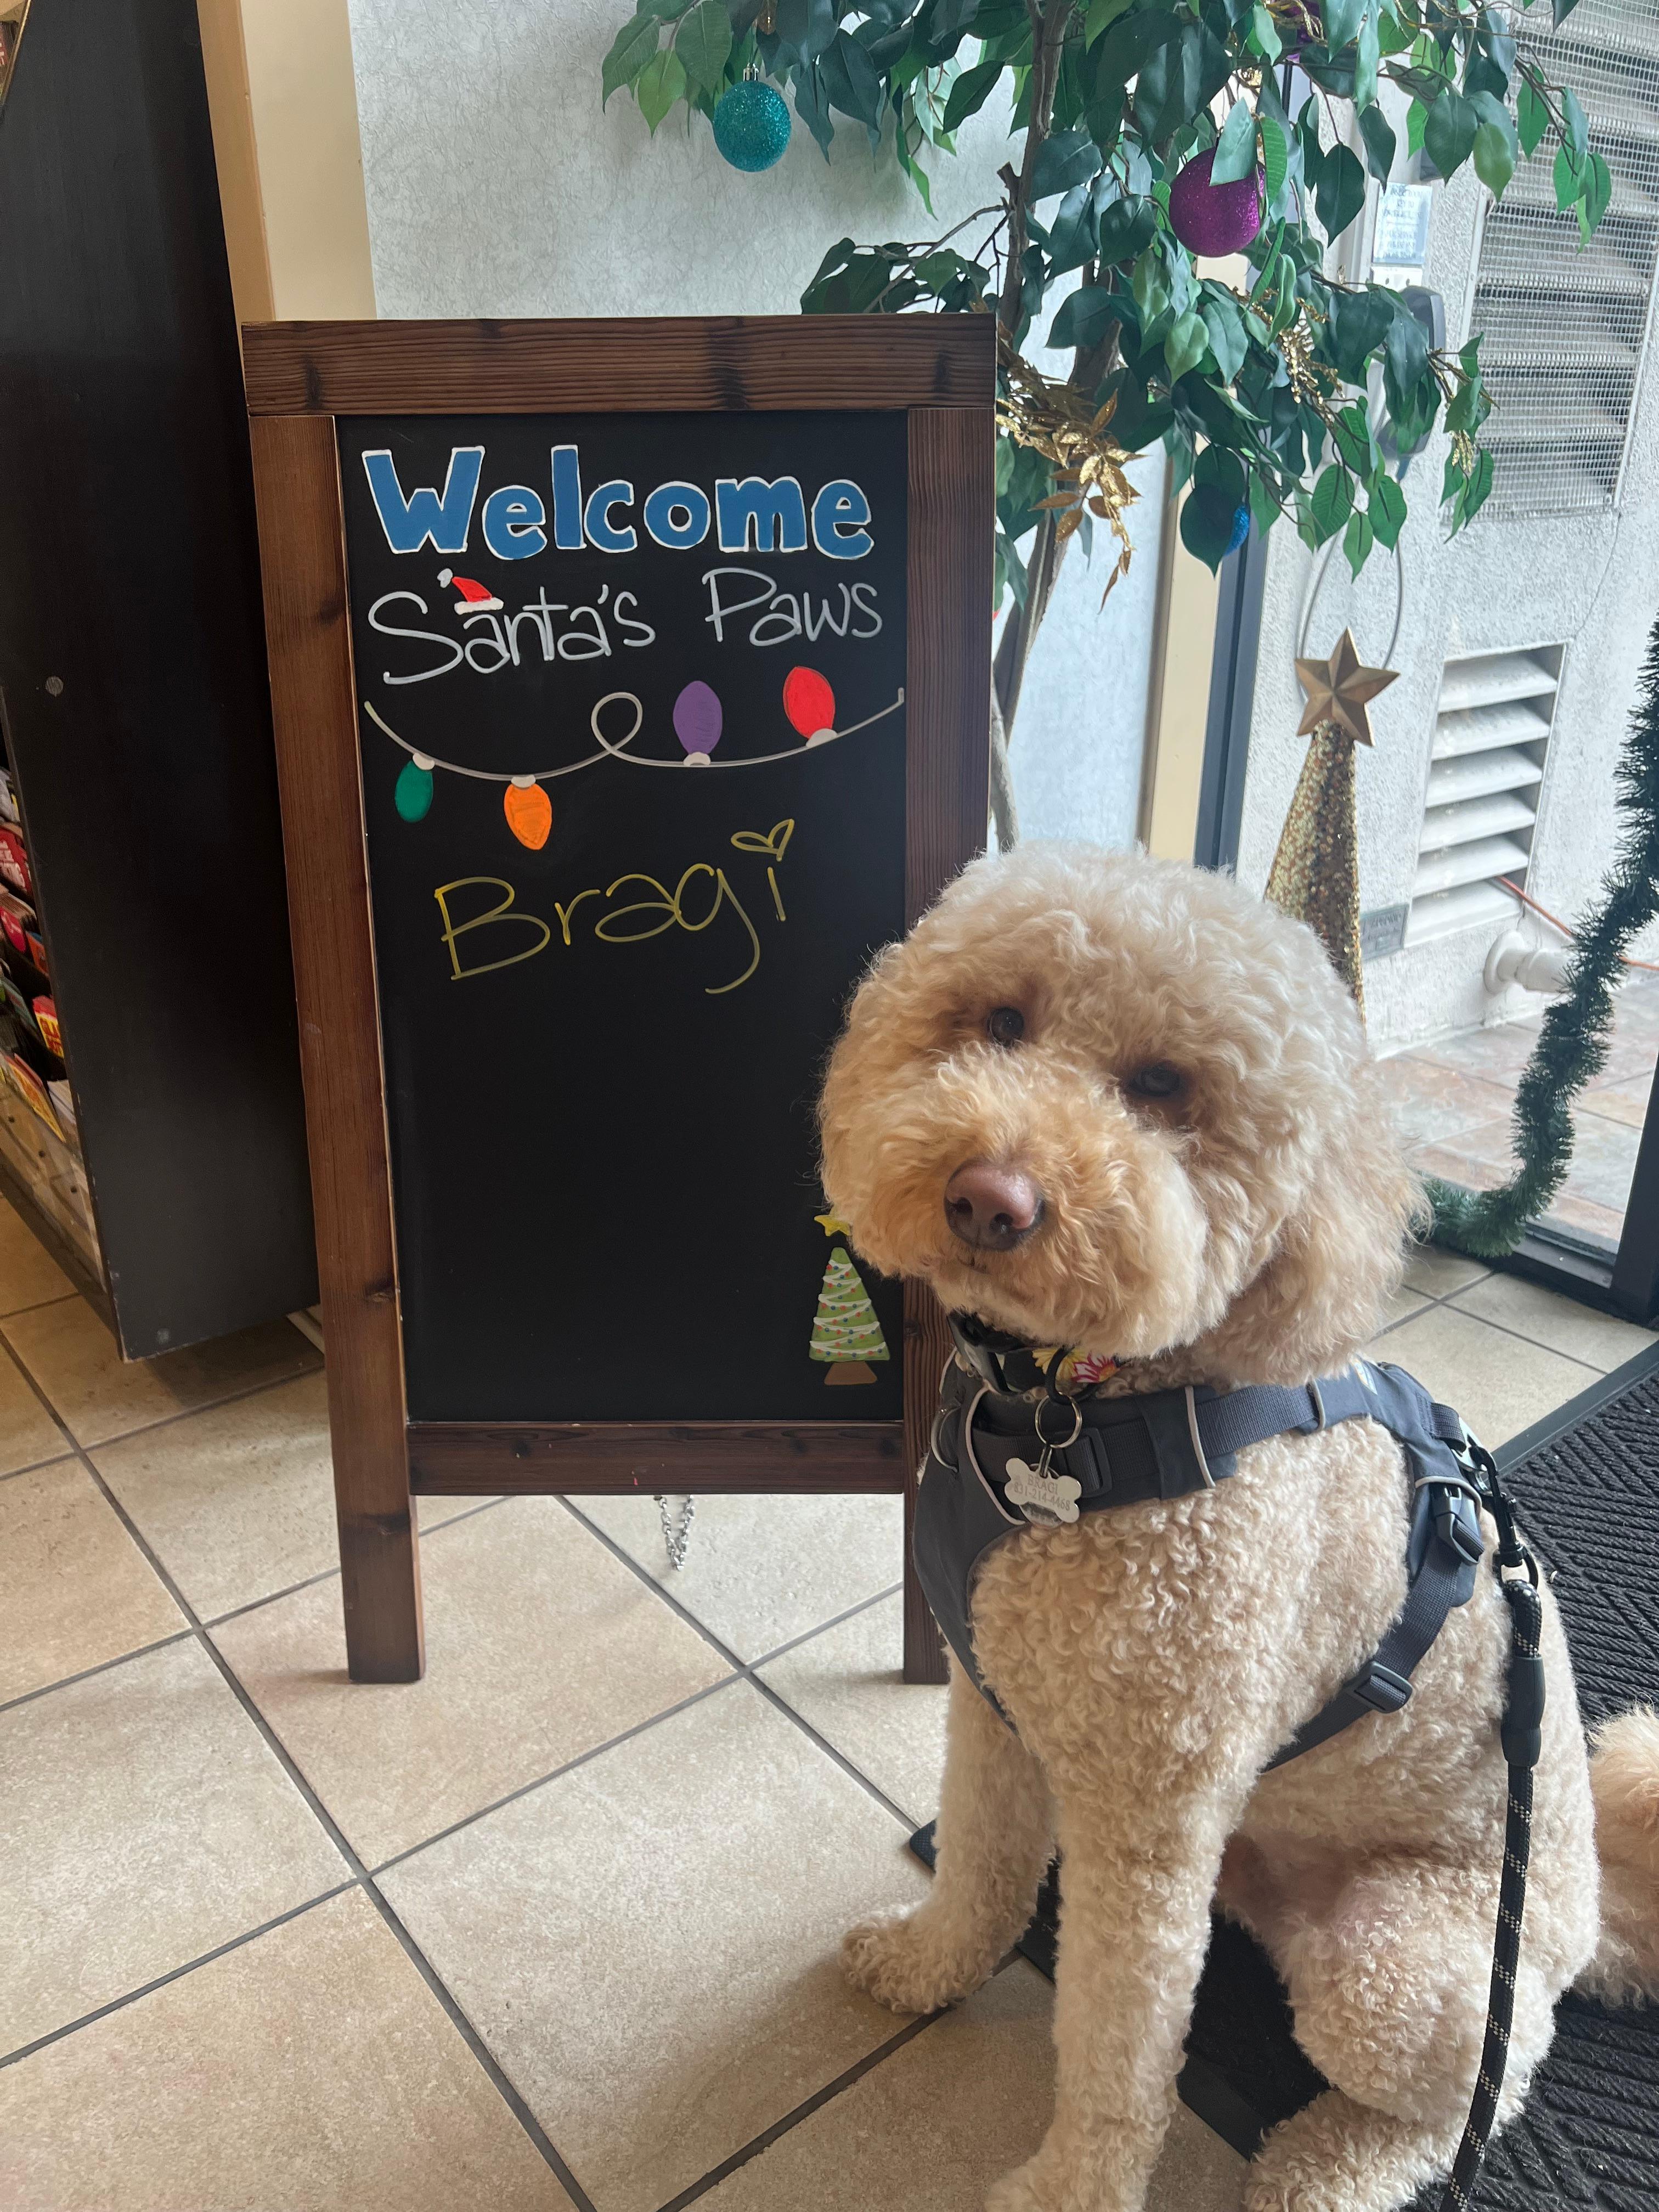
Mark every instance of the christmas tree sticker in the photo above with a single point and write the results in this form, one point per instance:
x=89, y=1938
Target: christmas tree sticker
x=845, y=1331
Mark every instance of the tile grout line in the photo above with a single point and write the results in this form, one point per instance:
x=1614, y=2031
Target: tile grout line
x=804, y=2111
x=746, y=1668
x=332, y=1574
x=143, y=1428
x=173, y=1974
x=87, y=1673
x=554, y=1774
x=481, y=2053
x=36, y=1466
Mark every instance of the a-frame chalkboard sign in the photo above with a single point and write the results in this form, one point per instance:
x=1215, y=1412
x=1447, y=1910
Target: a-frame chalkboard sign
x=536, y=592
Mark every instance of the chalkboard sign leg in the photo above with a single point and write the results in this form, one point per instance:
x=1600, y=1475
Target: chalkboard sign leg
x=380, y=1571
x=926, y=1350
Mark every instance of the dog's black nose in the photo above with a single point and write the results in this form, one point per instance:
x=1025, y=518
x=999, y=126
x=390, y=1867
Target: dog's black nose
x=992, y=1208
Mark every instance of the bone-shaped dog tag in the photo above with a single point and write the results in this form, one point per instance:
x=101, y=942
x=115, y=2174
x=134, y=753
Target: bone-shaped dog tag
x=1046, y=1499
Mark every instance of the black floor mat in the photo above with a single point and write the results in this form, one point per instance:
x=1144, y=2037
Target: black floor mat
x=1586, y=1485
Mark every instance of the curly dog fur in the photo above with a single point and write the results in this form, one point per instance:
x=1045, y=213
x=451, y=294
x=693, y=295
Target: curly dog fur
x=1245, y=1228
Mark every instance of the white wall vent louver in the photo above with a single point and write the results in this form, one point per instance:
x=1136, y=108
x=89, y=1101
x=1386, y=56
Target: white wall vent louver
x=1564, y=329
x=1491, y=735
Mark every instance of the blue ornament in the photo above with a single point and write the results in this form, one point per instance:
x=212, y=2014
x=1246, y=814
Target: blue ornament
x=751, y=126
x=1240, y=529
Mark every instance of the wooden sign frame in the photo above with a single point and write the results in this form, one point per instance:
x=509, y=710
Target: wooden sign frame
x=939, y=371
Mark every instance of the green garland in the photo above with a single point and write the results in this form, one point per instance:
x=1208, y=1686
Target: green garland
x=1573, y=1042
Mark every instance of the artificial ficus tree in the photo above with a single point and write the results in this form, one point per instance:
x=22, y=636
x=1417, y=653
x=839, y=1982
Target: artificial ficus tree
x=1145, y=124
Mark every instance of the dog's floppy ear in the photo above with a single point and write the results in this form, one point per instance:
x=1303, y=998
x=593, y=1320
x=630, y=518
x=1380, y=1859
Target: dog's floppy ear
x=1338, y=1253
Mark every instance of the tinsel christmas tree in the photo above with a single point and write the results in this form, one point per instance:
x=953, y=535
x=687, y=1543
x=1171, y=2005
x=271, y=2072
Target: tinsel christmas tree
x=1573, y=1041
x=846, y=1332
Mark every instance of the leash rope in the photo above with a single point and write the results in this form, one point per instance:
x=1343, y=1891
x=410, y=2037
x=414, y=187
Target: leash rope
x=1522, y=1722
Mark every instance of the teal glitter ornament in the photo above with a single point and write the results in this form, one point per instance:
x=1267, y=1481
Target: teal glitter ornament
x=751, y=126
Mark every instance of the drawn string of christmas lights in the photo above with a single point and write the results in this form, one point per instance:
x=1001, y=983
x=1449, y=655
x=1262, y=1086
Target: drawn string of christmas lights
x=698, y=720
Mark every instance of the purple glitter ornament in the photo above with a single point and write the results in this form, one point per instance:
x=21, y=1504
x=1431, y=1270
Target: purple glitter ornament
x=1214, y=219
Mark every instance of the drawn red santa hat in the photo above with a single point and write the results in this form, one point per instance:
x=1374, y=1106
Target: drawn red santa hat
x=475, y=598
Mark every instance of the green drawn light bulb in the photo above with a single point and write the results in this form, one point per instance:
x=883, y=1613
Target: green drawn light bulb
x=413, y=794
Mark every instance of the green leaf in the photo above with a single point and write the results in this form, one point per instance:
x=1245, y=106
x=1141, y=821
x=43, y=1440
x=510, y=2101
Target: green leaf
x=1102, y=13
x=1380, y=142
x=1569, y=177
x=1074, y=233
x=1275, y=157
x=1367, y=54
x=1206, y=524
x=1563, y=9
x=1340, y=192
x=1084, y=318
x=970, y=92
x=630, y=50
x=1229, y=341
x=702, y=42
x=1533, y=117
x=1353, y=435
x=1598, y=191
x=1070, y=157
x=1342, y=19
x=1448, y=134
x=1151, y=292
x=1127, y=229
x=1234, y=152
x=1284, y=299
x=1357, y=541
x=852, y=81
x=1387, y=509
x=1495, y=146
x=1186, y=345
x=1264, y=34
x=1472, y=495
x=659, y=85
x=1359, y=323
x=1170, y=90
x=1417, y=118
x=1577, y=128
x=1332, y=500
x=1264, y=513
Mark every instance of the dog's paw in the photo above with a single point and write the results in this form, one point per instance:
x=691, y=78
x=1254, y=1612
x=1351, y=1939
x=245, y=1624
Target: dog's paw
x=904, y=1964
x=1018, y=2192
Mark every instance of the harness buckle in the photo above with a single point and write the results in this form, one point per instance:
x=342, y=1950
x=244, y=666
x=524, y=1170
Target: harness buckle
x=1380, y=1687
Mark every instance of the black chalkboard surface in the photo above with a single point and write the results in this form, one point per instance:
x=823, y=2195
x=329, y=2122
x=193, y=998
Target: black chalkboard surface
x=630, y=685
x=630, y=699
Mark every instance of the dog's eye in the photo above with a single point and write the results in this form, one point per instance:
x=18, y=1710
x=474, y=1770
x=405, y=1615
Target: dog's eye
x=1004, y=1026
x=1160, y=1080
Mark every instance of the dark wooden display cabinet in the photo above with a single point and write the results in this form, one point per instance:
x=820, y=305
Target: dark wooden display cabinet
x=158, y=1144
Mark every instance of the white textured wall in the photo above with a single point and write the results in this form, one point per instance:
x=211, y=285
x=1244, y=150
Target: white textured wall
x=495, y=186
x=1591, y=581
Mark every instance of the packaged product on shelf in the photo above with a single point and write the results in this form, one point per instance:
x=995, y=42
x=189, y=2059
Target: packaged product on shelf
x=32, y=1091
x=15, y=860
x=8, y=798
x=45, y=1020
x=18, y=925
x=63, y=1099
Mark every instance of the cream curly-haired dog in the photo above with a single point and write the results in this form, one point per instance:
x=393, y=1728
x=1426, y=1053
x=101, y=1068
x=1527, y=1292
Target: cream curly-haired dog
x=1175, y=1080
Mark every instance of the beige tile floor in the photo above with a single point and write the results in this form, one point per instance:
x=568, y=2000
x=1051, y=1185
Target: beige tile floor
x=554, y=1927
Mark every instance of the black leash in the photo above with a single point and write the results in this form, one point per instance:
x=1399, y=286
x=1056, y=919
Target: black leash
x=1523, y=1716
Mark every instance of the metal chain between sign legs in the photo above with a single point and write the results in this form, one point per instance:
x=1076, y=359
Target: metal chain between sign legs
x=677, y=1538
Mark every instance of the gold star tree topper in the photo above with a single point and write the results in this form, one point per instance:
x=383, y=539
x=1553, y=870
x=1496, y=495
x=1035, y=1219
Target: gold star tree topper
x=1339, y=690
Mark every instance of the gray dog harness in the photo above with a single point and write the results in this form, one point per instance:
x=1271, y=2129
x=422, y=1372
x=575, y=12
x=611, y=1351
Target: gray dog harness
x=1001, y=1459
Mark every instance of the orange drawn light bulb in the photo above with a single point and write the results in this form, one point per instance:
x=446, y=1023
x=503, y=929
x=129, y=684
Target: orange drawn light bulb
x=529, y=811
